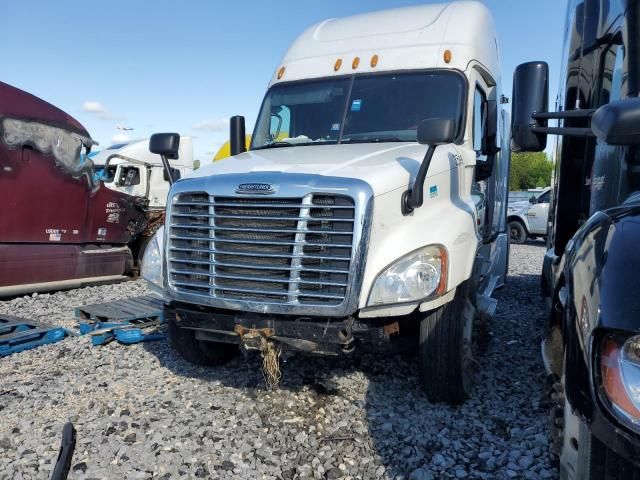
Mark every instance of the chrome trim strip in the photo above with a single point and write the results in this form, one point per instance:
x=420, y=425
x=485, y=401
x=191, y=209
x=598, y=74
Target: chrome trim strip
x=243, y=217
x=262, y=242
x=296, y=206
x=292, y=185
x=275, y=293
x=253, y=279
x=261, y=267
x=259, y=255
x=260, y=230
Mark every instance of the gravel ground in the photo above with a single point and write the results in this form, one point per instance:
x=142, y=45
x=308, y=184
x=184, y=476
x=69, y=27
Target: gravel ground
x=142, y=412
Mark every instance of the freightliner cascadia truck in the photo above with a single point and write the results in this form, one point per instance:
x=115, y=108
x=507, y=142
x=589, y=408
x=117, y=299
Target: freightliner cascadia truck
x=369, y=209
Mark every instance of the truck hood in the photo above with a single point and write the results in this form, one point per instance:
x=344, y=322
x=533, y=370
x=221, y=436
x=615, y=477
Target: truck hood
x=522, y=205
x=385, y=166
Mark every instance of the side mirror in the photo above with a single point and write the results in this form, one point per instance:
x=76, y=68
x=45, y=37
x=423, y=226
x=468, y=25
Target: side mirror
x=490, y=147
x=436, y=131
x=489, y=142
x=432, y=132
x=237, y=135
x=618, y=123
x=165, y=144
x=533, y=200
x=530, y=96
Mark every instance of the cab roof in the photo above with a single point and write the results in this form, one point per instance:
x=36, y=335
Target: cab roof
x=408, y=38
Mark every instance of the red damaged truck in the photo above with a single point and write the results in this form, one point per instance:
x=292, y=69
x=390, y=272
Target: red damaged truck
x=60, y=227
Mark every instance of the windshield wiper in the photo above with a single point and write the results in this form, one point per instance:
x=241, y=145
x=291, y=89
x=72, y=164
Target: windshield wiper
x=276, y=145
x=375, y=140
x=294, y=144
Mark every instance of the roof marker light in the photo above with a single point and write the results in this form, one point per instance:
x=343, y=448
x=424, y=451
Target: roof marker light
x=374, y=61
x=281, y=73
x=337, y=65
x=447, y=56
x=355, y=63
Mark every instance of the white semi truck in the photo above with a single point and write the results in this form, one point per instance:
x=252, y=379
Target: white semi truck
x=370, y=208
x=130, y=168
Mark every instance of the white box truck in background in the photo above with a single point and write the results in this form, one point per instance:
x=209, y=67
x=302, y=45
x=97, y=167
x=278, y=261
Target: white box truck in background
x=369, y=209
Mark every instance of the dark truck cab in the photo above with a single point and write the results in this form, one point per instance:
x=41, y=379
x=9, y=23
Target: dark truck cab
x=60, y=227
x=591, y=272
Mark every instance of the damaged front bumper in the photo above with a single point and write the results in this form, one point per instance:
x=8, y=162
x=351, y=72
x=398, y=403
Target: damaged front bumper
x=314, y=335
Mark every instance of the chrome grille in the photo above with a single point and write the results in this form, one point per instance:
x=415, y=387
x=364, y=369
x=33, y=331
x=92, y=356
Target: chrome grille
x=289, y=251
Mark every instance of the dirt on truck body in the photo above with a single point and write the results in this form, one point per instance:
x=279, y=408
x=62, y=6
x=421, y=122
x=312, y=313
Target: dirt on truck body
x=59, y=225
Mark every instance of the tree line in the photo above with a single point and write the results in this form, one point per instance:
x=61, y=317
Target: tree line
x=529, y=170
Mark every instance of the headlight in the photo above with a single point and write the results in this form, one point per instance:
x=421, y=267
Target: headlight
x=416, y=276
x=620, y=370
x=151, y=269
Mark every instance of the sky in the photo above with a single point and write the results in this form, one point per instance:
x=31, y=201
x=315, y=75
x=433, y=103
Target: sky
x=188, y=66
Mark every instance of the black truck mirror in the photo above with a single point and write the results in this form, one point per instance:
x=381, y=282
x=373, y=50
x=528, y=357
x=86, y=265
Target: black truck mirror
x=489, y=146
x=530, y=96
x=484, y=169
x=436, y=131
x=618, y=123
x=432, y=132
x=237, y=140
x=166, y=145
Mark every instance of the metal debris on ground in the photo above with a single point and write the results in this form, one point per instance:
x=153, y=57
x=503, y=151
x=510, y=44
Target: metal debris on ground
x=126, y=321
x=271, y=363
x=18, y=334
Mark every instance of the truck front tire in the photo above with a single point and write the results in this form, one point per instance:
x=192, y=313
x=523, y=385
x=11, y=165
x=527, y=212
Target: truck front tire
x=445, y=358
x=196, y=351
x=517, y=232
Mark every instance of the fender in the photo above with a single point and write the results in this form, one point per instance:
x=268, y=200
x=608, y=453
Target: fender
x=601, y=272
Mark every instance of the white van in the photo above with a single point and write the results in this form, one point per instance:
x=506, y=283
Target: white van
x=370, y=208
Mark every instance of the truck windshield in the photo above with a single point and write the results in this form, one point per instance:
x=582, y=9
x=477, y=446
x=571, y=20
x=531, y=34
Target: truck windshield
x=357, y=109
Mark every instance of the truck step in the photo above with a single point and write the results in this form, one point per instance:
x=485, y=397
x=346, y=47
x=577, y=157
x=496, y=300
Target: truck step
x=125, y=321
x=18, y=334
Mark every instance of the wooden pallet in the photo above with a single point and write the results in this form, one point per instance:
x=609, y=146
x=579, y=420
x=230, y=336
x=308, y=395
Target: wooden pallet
x=131, y=310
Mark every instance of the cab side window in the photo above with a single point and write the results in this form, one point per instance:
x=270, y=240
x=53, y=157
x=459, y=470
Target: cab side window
x=479, y=120
x=129, y=176
x=545, y=198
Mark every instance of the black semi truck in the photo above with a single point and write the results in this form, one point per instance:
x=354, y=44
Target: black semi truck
x=591, y=272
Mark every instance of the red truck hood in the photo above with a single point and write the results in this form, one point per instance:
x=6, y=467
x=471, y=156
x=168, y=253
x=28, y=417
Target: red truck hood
x=16, y=103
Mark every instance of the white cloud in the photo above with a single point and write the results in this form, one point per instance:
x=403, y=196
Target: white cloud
x=96, y=108
x=120, y=138
x=212, y=125
x=93, y=107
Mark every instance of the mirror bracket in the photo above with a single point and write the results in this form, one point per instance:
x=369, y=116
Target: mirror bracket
x=431, y=132
x=414, y=197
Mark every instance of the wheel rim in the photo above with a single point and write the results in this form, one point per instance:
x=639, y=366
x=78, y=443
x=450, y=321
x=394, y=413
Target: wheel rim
x=515, y=234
